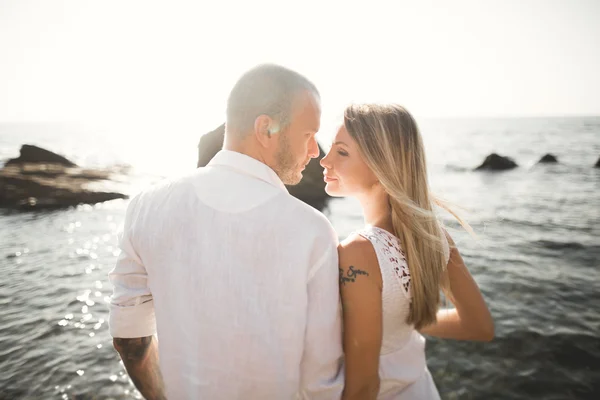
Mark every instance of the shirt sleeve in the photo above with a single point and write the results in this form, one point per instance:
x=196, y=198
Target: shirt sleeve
x=131, y=305
x=322, y=362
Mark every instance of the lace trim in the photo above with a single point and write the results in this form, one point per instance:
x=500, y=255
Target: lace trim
x=390, y=246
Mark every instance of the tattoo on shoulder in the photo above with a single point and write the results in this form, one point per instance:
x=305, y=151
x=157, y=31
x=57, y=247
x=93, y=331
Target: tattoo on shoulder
x=133, y=349
x=350, y=275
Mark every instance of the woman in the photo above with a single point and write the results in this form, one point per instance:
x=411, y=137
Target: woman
x=392, y=271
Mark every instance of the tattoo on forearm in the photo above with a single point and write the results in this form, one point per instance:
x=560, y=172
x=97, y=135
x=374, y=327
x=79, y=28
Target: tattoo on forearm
x=140, y=357
x=133, y=349
x=351, y=275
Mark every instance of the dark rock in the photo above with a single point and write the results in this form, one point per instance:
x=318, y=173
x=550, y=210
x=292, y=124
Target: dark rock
x=597, y=163
x=33, y=154
x=548, y=159
x=311, y=188
x=210, y=144
x=495, y=162
x=38, y=186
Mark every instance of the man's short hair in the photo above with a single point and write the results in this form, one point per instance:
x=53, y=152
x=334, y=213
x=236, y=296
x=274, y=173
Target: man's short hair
x=267, y=89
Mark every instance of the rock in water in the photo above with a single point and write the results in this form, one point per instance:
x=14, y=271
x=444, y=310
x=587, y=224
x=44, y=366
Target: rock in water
x=495, y=162
x=311, y=188
x=34, y=155
x=548, y=159
x=210, y=144
x=39, y=179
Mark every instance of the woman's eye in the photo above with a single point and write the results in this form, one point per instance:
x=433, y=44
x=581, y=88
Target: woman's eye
x=342, y=153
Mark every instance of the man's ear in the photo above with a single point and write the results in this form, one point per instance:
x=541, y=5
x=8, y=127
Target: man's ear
x=262, y=129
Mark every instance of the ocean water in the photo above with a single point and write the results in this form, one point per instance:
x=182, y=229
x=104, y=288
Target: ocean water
x=536, y=257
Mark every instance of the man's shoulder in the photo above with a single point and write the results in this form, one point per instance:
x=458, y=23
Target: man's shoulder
x=303, y=212
x=308, y=219
x=164, y=187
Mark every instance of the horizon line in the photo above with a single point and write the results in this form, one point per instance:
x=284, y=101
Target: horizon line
x=417, y=116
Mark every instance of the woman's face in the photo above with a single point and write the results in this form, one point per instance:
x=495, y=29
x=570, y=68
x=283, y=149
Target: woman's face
x=346, y=173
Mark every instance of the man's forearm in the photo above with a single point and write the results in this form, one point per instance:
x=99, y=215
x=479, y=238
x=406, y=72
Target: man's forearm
x=368, y=390
x=140, y=356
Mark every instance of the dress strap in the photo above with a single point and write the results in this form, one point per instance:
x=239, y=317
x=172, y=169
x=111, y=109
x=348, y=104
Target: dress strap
x=389, y=253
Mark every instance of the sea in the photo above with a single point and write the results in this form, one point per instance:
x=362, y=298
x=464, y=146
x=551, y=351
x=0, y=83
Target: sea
x=535, y=255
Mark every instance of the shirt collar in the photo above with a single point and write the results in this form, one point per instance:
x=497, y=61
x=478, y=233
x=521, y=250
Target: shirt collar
x=248, y=166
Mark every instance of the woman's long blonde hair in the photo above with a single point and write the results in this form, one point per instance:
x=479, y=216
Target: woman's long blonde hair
x=391, y=145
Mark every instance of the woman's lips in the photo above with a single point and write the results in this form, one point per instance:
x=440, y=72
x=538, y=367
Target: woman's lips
x=328, y=178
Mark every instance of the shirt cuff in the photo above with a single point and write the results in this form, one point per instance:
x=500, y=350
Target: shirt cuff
x=133, y=321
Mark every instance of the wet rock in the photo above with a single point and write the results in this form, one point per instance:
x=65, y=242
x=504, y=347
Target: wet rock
x=210, y=144
x=29, y=183
x=495, y=162
x=33, y=154
x=548, y=159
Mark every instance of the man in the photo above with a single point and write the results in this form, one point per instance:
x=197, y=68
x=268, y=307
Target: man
x=238, y=279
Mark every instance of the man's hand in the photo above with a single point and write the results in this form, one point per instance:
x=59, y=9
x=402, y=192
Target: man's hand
x=140, y=356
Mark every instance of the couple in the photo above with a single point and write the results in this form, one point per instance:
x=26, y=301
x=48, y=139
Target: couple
x=241, y=283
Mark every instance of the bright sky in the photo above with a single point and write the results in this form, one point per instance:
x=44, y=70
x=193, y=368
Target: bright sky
x=169, y=65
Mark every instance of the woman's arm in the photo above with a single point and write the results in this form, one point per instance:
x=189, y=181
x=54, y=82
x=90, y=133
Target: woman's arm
x=470, y=319
x=360, y=289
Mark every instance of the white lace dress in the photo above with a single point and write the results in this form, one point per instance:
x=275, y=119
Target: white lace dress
x=402, y=366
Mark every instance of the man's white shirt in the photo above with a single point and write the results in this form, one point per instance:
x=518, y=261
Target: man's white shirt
x=238, y=279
